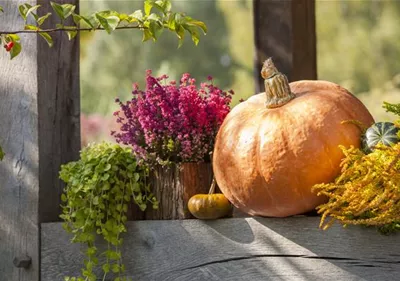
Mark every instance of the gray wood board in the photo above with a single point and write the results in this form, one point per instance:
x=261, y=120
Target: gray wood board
x=285, y=31
x=237, y=249
x=19, y=185
x=59, y=111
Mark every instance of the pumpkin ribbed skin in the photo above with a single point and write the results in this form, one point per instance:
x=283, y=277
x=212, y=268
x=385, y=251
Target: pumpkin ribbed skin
x=381, y=132
x=265, y=161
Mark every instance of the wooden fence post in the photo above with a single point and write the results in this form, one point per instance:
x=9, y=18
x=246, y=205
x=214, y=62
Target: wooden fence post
x=285, y=31
x=39, y=130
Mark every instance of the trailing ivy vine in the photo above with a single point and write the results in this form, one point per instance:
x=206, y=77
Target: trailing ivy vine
x=99, y=188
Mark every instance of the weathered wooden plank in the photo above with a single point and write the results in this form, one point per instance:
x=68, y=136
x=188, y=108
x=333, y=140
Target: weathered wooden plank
x=175, y=186
x=19, y=185
x=59, y=112
x=238, y=249
x=39, y=113
x=285, y=31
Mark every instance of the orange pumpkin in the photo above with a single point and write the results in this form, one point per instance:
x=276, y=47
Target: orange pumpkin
x=210, y=206
x=272, y=148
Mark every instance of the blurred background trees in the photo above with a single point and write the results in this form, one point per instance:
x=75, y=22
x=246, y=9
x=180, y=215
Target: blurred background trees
x=358, y=47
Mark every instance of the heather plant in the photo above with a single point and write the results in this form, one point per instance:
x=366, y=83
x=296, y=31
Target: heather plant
x=172, y=122
x=367, y=192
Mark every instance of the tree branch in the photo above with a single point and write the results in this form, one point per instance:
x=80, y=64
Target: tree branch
x=68, y=29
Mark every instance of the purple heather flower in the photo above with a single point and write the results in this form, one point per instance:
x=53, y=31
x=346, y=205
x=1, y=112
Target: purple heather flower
x=173, y=122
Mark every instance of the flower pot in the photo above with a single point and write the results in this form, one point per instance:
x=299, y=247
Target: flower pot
x=173, y=187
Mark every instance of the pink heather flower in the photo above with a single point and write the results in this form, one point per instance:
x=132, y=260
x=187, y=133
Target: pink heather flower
x=172, y=122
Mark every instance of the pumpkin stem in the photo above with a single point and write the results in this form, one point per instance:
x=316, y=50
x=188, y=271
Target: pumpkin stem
x=276, y=85
x=212, y=188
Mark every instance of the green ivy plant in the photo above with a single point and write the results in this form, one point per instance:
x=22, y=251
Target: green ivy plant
x=157, y=17
x=98, y=189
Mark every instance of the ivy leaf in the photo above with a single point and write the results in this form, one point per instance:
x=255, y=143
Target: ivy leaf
x=16, y=50
x=63, y=11
x=41, y=20
x=48, y=38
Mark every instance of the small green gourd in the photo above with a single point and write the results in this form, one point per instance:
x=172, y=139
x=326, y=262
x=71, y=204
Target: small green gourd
x=379, y=133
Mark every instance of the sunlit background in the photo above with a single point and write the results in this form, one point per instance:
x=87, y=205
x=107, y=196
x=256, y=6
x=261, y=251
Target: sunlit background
x=358, y=46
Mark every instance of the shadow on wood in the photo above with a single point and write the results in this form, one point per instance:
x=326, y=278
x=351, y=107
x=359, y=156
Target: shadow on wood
x=237, y=249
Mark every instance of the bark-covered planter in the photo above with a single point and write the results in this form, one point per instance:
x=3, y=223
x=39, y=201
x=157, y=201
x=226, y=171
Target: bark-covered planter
x=173, y=188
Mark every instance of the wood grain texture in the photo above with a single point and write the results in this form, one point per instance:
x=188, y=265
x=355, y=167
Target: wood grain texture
x=285, y=31
x=174, y=187
x=237, y=249
x=59, y=112
x=19, y=185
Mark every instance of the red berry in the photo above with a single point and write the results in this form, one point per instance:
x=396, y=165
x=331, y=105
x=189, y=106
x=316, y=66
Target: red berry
x=9, y=46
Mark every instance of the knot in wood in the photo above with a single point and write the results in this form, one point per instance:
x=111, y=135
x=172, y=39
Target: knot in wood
x=22, y=261
x=149, y=239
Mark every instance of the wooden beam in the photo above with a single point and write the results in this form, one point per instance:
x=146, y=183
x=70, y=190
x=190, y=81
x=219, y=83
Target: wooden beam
x=285, y=31
x=236, y=249
x=59, y=113
x=39, y=130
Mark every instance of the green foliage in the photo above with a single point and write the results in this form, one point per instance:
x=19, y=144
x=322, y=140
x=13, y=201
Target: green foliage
x=150, y=23
x=98, y=189
x=213, y=56
x=392, y=108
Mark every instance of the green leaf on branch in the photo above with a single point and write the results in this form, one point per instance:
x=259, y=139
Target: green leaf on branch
x=1, y=150
x=41, y=20
x=156, y=29
x=1, y=9
x=13, y=37
x=48, y=38
x=180, y=32
x=31, y=10
x=137, y=15
x=200, y=24
x=109, y=23
x=31, y=27
x=23, y=9
x=146, y=35
x=194, y=32
x=63, y=11
x=148, y=5
x=71, y=33
x=165, y=5
x=87, y=21
x=16, y=50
